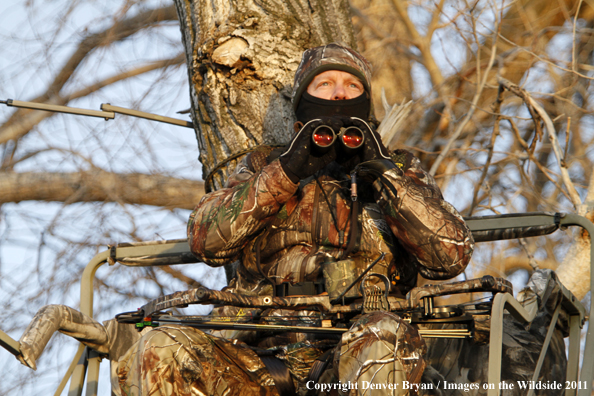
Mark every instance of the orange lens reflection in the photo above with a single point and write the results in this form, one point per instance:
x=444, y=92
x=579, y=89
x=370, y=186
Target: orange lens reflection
x=352, y=137
x=323, y=137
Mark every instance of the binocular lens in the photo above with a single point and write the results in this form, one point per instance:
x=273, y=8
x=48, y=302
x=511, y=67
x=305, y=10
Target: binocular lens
x=352, y=137
x=323, y=136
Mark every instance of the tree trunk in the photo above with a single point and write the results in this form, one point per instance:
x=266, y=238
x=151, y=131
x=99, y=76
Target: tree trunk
x=574, y=270
x=242, y=56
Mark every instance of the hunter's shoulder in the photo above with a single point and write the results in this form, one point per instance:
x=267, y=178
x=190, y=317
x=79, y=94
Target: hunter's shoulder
x=262, y=156
x=411, y=166
x=252, y=163
x=405, y=160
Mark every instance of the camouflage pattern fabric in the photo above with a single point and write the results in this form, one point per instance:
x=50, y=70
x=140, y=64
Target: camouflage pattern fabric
x=293, y=229
x=378, y=351
x=465, y=362
x=66, y=320
x=176, y=360
x=182, y=361
x=299, y=227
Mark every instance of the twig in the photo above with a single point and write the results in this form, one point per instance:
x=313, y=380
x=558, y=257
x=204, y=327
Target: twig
x=573, y=49
x=567, y=130
x=524, y=144
x=15, y=127
x=435, y=18
x=531, y=259
x=541, y=114
x=422, y=43
x=590, y=192
x=575, y=197
x=497, y=109
x=26, y=121
x=547, y=61
x=523, y=94
x=395, y=42
x=469, y=115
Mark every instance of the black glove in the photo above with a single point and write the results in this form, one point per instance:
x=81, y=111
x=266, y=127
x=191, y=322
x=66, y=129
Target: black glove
x=371, y=170
x=373, y=147
x=300, y=160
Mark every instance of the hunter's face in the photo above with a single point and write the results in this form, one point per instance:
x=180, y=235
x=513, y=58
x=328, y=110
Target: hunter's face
x=335, y=85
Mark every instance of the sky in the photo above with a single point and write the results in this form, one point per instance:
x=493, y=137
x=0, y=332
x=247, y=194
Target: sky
x=45, y=244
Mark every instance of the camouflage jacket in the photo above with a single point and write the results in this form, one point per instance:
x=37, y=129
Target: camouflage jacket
x=294, y=228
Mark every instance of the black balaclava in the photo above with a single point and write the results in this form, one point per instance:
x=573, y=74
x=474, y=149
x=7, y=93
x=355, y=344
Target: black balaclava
x=332, y=56
x=311, y=107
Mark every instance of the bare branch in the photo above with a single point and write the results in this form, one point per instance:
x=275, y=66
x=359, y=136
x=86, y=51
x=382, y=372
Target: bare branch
x=494, y=135
x=149, y=67
x=575, y=197
x=118, y=31
x=423, y=43
x=468, y=116
x=398, y=43
x=524, y=144
x=433, y=25
x=531, y=259
x=97, y=185
x=538, y=111
x=177, y=274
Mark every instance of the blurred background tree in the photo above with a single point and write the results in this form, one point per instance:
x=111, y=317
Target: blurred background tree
x=500, y=114
x=70, y=185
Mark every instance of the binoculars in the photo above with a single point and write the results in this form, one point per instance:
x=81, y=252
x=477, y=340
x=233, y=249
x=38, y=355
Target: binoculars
x=324, y=136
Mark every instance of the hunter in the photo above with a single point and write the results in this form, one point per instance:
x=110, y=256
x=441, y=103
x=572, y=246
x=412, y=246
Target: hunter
x=298, y=220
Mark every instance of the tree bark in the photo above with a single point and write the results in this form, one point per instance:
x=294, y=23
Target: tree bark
x=574, y=270
x=242, y=56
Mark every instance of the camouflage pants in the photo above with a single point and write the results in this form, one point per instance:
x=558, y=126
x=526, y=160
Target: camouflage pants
x=380, y=349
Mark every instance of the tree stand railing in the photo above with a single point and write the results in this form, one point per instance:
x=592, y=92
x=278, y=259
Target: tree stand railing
x=575, y=310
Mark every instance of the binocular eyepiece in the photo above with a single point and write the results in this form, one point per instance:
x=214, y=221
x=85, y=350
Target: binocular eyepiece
x=324, y=136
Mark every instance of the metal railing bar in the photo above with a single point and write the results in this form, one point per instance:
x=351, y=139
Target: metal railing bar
x=545, y=346
x=75, y=361
x=10, y=344
x=501, y=302
x=78, y=376
x=573, y=357
x=93, y=373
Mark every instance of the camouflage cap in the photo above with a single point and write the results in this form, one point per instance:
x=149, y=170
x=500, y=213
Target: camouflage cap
x=332, y=56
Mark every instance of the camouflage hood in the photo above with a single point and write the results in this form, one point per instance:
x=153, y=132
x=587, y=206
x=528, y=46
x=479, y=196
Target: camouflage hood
x=332, y=56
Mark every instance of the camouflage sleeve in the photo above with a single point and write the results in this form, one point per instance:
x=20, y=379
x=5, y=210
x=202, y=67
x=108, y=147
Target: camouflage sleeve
x=52, y=318
x=427, y=226
x=225, y=220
